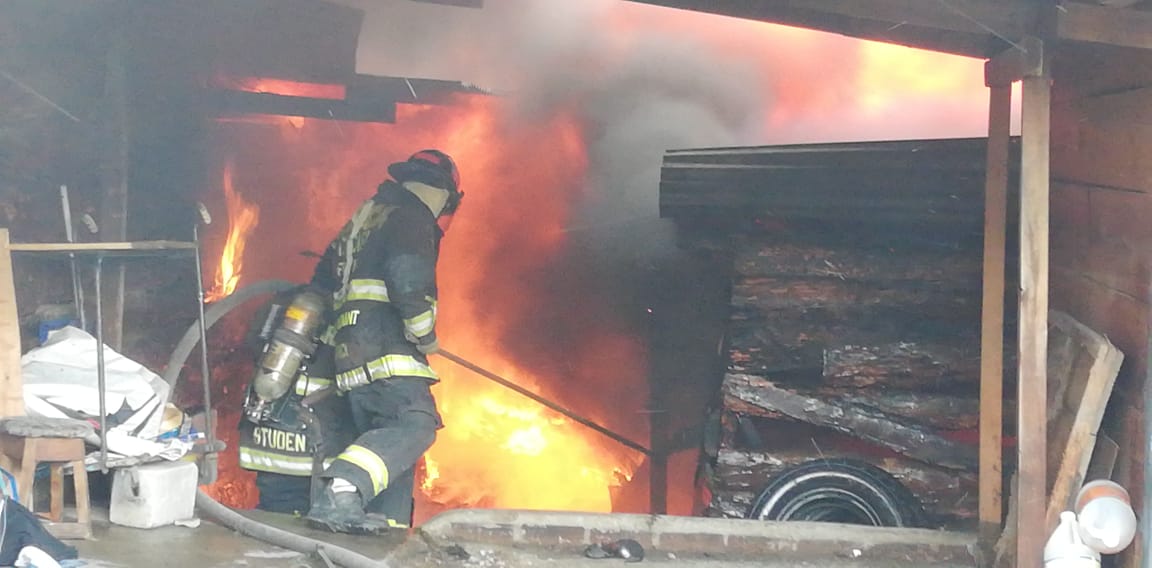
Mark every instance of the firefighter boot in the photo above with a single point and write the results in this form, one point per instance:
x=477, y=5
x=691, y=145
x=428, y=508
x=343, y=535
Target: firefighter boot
x=341, y=512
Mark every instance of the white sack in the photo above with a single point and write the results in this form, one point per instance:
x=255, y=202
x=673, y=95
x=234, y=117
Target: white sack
x=62, y=373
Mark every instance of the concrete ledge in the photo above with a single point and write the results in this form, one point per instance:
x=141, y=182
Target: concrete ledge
x=736, y=538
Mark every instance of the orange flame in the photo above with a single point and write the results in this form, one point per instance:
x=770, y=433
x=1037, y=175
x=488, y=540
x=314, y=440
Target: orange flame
x=283, y=87
x=498, y=448
x=502, y=303
x=242, y=219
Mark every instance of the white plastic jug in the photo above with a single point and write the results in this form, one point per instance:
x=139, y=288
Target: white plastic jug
x=1107, y=521
x=1065, y=549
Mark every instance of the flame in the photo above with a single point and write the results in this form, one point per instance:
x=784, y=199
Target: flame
x=498, y=448
x=283, y=87
x=508, y=301
x=242, y=219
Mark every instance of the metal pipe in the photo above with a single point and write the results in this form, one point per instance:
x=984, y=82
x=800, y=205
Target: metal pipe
x=97, y=273
x=552, y=405
x=1146, y=502
x=210, y=464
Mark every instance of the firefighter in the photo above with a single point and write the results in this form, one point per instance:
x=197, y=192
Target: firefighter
x=381, y=270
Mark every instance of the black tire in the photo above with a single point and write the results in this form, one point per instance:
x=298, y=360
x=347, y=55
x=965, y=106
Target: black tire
x=838, y=490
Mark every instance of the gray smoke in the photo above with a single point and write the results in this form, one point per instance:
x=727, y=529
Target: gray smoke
x=638, y=91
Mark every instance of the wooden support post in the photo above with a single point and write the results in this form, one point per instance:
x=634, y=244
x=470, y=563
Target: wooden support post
x=992, y=317
x=11, y=382
x=658, y=437
x=1032, y=389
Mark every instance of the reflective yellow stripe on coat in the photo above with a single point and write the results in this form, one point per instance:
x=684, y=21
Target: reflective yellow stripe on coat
x=367, y=289
x=423, y=323
x=390, y=366
x=371, y=463
x=271, y=462
x=307, y=385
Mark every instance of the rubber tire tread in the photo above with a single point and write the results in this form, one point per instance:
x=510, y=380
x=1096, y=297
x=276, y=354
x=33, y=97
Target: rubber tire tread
x=902, y=510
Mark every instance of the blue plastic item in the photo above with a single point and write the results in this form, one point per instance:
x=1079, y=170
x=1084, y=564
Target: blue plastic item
x=52, y=325
x=8, y=485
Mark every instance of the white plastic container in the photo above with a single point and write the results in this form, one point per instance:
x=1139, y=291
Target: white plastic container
x=1107, y=521
x=153, y=495
x=1065, y=549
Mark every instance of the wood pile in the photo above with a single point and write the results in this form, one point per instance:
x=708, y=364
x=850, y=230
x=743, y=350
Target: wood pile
x=871, y=343
x=854, y=328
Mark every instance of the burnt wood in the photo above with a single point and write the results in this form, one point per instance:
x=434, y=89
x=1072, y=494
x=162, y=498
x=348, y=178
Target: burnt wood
x=934, y=410
x=749, y=394
x=944, y=268
x=778, y=292
x=944, y=493
x=900, y=364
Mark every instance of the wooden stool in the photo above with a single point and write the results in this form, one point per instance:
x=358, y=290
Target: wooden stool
x=26, y=442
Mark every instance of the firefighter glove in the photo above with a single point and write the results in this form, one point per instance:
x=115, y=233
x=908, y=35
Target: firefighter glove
x=429, y=345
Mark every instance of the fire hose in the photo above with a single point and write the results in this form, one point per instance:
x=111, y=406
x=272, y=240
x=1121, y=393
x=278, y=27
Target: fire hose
x=291, y=541
x=221, y=513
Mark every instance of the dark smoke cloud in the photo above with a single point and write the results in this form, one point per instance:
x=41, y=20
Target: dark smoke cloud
x=638, y=90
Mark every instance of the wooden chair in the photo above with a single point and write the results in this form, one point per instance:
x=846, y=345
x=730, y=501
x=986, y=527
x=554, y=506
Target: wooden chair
x=26, y=442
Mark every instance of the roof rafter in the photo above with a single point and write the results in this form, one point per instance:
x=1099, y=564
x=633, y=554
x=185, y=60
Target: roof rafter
x=976, y=28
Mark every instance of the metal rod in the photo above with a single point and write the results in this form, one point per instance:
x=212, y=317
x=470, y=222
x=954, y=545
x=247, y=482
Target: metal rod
x=77, y=288
x=100, y=365
x=1146, y=502
x=38, y=95
x=552, y=405
x=205, y=371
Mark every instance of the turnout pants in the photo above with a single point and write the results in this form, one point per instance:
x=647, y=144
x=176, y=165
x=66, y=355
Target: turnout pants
x=397, y=422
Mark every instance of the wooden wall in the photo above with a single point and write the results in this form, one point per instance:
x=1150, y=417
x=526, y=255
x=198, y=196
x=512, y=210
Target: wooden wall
x=1101, y=256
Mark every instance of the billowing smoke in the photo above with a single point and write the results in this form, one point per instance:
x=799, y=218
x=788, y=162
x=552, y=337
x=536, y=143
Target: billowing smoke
x=638, y=90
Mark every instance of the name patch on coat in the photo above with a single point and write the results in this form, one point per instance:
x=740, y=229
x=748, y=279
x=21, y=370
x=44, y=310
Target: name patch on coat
x=274, y=439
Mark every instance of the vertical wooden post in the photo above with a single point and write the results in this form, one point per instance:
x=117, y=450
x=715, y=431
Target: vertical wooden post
x=992, y=316
x=1032, y=389
x=658, y=461
x=11, y=381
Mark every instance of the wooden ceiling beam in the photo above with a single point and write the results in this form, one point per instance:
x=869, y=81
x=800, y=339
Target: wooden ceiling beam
x=976, y=28
x=1025, y=59
x=1103, y=24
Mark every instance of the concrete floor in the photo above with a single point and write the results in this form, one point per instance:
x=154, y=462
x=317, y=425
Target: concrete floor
x=213, y=546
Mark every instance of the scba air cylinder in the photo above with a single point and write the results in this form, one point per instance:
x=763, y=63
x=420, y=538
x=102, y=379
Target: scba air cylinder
x=292, y=342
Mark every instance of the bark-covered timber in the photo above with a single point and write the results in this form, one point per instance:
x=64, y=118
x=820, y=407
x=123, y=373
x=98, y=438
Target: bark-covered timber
x=946, y=267
x=900, y=364
x=798, y=358
x=750, y=394
x=938, y=411
x=730, y=504
x=944, y=493
x=771, y=293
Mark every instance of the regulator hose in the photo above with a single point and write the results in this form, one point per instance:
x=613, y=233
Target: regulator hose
x=217, y=511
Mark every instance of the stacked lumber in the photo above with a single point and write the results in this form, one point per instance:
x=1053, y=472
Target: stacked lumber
x=872, y=341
